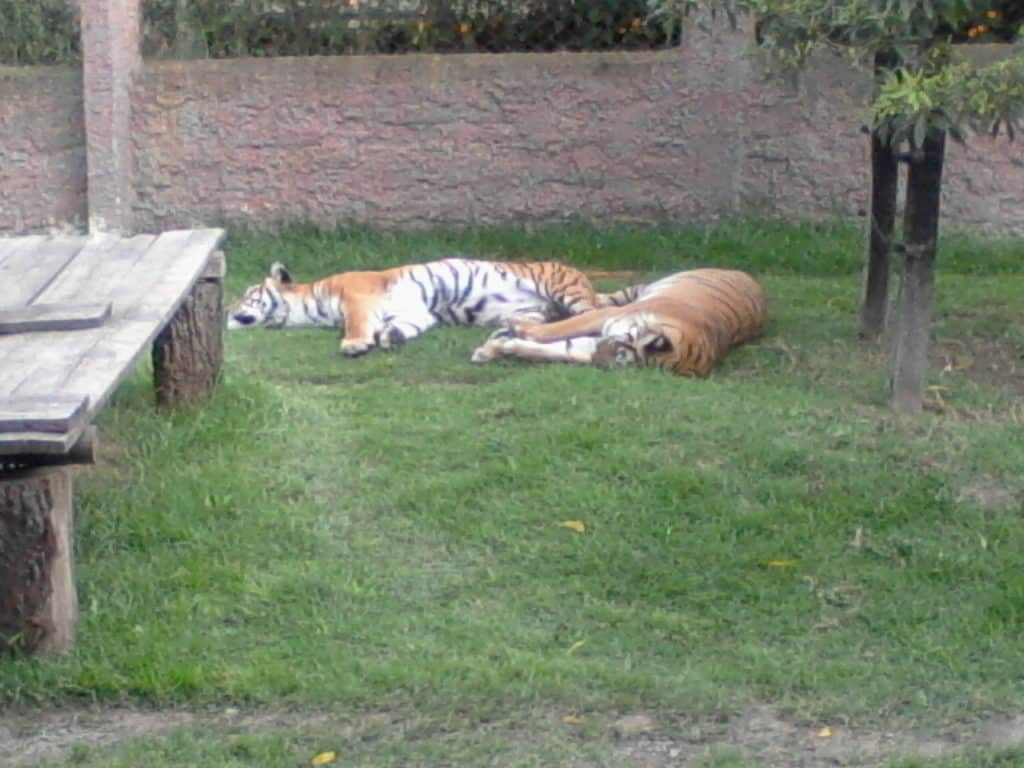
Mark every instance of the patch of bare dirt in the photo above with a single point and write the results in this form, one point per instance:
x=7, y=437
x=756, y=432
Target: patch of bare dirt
x=759, y=733
x=990, y=362
x=992, y=495
x=28, y=737
x=770, y=740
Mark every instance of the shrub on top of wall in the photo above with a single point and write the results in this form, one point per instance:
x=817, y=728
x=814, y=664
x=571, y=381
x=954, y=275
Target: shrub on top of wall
x=38, y=32
x=230, y=28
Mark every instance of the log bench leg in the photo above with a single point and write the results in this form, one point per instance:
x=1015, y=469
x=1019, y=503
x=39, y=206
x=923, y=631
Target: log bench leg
x=38, y=602
x=189, y=351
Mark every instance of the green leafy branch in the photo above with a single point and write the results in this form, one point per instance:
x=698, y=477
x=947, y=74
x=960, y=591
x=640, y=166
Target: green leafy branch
x=986, y=99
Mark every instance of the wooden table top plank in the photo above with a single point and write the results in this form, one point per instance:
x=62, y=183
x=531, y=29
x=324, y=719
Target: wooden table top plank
x=32, y=265
x=52, y=414
x=103, y=258
x=97, y=373
x=53, y=317
x=93, y=362
x=10, y=244
x=38, y=442
x=104, y=261
x=164, y=282
x=101, y=270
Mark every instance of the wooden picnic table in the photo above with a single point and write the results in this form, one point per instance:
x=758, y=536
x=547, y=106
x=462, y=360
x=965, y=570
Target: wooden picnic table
x=76, y=313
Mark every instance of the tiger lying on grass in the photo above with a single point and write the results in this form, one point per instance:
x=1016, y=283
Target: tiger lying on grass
x=388, y=307
x=683, y=323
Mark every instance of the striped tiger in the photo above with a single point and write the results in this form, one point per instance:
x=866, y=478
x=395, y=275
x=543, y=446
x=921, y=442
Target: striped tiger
x=683, y=323
x=388, y=307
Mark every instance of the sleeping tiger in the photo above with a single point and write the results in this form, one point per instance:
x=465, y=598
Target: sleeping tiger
x=683, y=323
x=388, y=307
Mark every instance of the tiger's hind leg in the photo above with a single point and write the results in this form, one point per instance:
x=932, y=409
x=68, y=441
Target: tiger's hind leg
x=579, y=350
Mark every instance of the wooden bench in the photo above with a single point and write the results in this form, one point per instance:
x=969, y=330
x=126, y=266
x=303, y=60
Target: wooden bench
x=75, y=315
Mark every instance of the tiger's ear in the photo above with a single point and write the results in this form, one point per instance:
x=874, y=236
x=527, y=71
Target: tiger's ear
x=655, y=343
x=280, y=273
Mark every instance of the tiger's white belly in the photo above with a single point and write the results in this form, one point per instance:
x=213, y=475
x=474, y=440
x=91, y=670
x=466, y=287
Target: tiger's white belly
x=465, y=293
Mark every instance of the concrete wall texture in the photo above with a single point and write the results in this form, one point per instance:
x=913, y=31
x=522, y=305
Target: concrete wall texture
x=689, y=135
x=42, y=149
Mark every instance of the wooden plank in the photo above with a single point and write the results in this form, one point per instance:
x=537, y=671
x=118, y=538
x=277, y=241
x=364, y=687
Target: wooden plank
x=102, y=263
x=38, y=442
x=57, y=413
x=53, y=317
x=82, y=452
x=33, y=265
x=174, y=269
x=100, y=267
x=149, y=290
x=7, y=245
x=94, y=361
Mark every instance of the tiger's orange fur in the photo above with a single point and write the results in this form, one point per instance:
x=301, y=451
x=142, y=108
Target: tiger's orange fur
x=683, y=323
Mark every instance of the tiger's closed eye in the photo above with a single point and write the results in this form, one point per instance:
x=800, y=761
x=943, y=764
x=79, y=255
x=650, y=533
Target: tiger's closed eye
x=658, y=344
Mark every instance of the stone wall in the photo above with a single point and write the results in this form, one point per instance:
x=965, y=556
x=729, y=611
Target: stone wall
x=412, y=140
x=687, y=135
x=42, y=149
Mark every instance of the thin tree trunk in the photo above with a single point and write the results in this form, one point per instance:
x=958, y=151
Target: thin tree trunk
x=913, y=308
x=881, y=223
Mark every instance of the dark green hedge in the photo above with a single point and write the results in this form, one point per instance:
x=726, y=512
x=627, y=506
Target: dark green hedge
x=46, y=31
x=226, y=28
x=38, y=32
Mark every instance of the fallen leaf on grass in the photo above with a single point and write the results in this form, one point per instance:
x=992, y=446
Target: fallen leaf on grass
x=573, y=525
x=324, y=758
x=572, y=720
x=824, y=733
x=576, y=646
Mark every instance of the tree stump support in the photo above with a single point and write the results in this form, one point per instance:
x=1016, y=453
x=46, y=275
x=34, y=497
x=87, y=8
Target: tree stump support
x=189, y=351
x=38, y=602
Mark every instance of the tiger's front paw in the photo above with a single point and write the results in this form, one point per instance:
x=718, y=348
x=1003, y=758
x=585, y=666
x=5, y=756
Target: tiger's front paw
x=490, y=350
x=354, y=348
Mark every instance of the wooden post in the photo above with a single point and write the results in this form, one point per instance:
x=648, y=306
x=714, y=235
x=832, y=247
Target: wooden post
x=111, y=58
x=881, y=223
x=38, y=603
x=913, y=309
x=189, y=351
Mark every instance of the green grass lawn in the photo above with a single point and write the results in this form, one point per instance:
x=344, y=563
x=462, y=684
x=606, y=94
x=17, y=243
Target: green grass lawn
x=381, y=537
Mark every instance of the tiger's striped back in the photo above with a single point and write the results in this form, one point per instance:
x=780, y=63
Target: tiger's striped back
x=459, y=291
x=566, y=286
x=712, y=311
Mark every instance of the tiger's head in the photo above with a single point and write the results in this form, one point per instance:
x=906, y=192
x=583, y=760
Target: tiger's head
x=633, y=344
x=262, y=305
